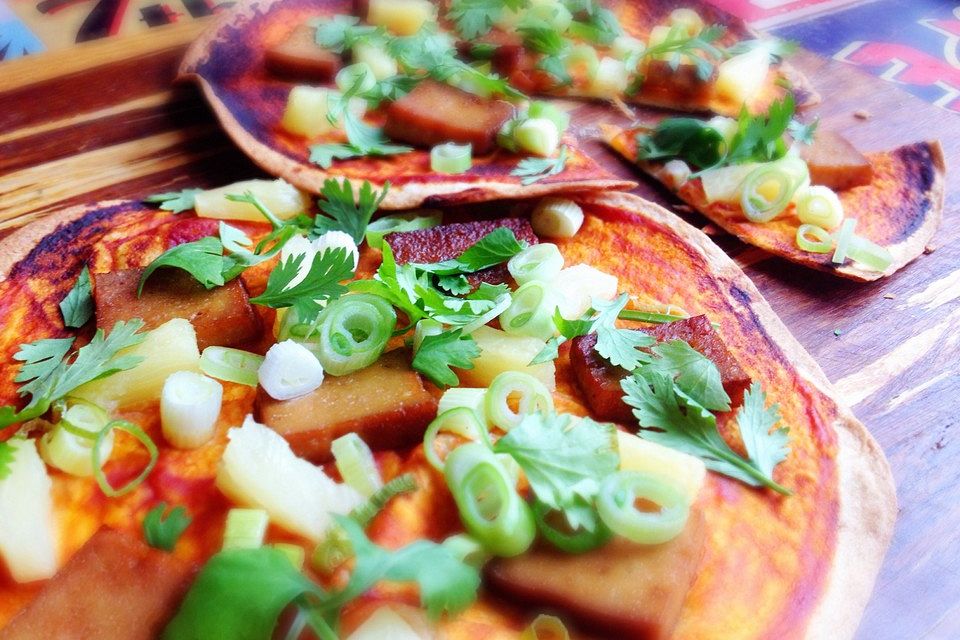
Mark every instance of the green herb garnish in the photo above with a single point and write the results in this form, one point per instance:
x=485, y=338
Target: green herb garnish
x=77, y=306
x=175, y=201
x=341, y=213
x=533, y=170
x=162, y=530
x=438, y=353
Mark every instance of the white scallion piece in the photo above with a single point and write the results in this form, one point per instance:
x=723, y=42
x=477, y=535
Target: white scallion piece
x=557, y=218
x=576, y=287
x=27, y=529
x=189, y=407
x=289, y=370
x=538, y=136
x=72, y=453
x=356, y=465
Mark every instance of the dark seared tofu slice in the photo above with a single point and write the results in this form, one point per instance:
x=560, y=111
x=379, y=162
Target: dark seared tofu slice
x=434, y=113
x=115, y=587
x=600, y=381
x=299, y=57
x=221, y=316
x=386, y=404
x=450, y=240
x=622, y=589
x=836, y=163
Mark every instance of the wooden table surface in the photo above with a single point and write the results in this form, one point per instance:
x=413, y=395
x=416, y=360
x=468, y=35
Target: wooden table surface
x=104, y=121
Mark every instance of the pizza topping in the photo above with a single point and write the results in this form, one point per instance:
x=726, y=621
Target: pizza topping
x=27, y=538
x=510, y=388
x=540, y=262
x=162, y=529
x=174, y=201
x=820, y=206
x=843, y=237
x=766, y=192
x=309, y=111
x=683, y=472
x=289, y=371
x=403, y=17
x=232, y=365
x=189, y=407
x=499, y=352
x=531, y=311
x=835, y=163
x=77, y=306
x=814, y=239
x=451, y=158
x=356, y=465
x=617, y=507
x=434, y=113
x=299, y=56
x=440, y=351
x=532, y=170
x=869, y=254
x=557, y=218
x=351, y=332
x=68, y=445
x=283, y=200
x=245, y=529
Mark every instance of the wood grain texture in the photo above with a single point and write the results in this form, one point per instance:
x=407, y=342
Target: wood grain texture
x=897, y=358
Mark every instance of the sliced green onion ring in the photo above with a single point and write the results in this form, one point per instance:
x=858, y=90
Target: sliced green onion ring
x=490, y=508
x=533, y=397
x=245, y=529
x=412, y=221
x=471, y=398
x=756, y=206
x=530, y=312
x=550, y=111
x=541, y=262
x=353, y=332
x=616, y=504
x=356, y=465
x=869, y=254
x=546, y=627
x=232, y=365
x=500, y=305
x=821, y=206
x=100, y=476
x=467, y=549
x=84, y=419
x=451, y=158
x=460, y=421
x=560, y=536
x=844, y=236
x=815, y=239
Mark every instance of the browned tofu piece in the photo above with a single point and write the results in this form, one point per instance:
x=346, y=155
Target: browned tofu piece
x=836, y=163
x=221, y=316
x=662, y=82
x=386, y=404
x=299, y=57
x=622, y=589
x=434, y=113
x=115, y=587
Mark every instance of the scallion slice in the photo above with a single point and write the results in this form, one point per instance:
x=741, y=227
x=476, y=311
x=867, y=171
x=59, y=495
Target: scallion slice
x=356, y=465
x=766, y=193
x=353, y=332
x=293, y=552
x=245, y=528
x=844, y=236
x=456, y=397
x=490, y=508
x=538, y=136
x=815, y=239
x=513, y=387
x=530, y=312
x=554, y=528
x=869, y=254
x=541, y=262
x=411, y=221
x=467, y=549
x=451, y=158
x=189, y=407
x=500, y=305
x=99, y=457
x=232, y=365
x=84, y=419
x=546, y=627
x=820, y=206
x=616, y=505
x=71, y=453
x=540, y=109
x=460, y=421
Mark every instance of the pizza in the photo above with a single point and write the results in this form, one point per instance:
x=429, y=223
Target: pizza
x=467, y=100
x=799, y=193
x=241, y=414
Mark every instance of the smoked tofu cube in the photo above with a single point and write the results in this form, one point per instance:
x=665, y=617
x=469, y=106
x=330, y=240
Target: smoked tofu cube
x=115, y=587
x=600, y=381
x=221, y=316
x=434, y=113
x=835, y=163
x=386, y=404
x=622, y=589
x=299, y=57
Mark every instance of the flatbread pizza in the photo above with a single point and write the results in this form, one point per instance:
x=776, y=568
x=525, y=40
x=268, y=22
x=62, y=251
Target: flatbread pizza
x=255, y=418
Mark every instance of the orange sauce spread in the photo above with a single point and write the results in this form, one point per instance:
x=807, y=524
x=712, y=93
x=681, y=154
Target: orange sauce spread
x=767, y=556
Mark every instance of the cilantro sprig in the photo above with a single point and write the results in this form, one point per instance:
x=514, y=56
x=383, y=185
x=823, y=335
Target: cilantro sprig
x=175, y=201
x=286, y=287
x=533, y=170
x=699, y=48
x=162, y=529
x=495, y=248
x=474, y=18
x=77, y=306
x=438, y=353
x=341, y=213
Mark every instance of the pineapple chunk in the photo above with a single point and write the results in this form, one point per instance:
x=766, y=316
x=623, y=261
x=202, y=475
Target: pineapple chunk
x=579, y=285
x=723, y=185
x=259, y=470
x=611, y=79
x=307, y=108
x=381, y=63
x=741, y=77
x=26, y=516
x=386, y=624
x=169, y=348
x=687, y=19
x=685, y=471
x=403, y=17
x=282, y=198
x=499, y=352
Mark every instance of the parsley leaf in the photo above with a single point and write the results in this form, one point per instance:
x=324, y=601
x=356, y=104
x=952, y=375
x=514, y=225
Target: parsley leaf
x=536, y=169
x=438, y=353
x=203, y=259
x=569, y=329
x=803, y=133
x=561, y=461
x=77, y=306
x=496, y=247
x=47, y=376
x=342, y=214
x=475, y=18
x=621, y=347
x=162, y=530
x=457, y=284
x=694, y=373
x=765, y=448
x=322, y=281
x=692, y=140
x=341, y=32
x=363, y=140
x=699, y=49
x=669, y=417
x=7, y=452
x=175, y=201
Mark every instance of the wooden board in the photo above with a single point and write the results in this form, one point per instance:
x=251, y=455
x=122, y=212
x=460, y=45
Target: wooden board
x=103, y=121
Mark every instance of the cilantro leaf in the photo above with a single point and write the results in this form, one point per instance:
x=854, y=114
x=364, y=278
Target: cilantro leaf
x=7, y=452
x=77, y=306
x=340, y=213
x=495, y=248
x=341, y=32
x=203, y=259
x=698, y=49
x=569, y=329
x=669, y=417
x=600, y=27
x=162, y=530
x=363, y=140
x=562, y=461
x=803, y=133
x=175, y=201
x=456, y=284
x=694, y=373
x=765, y=448
x=438, y=353
x=692, y=140
x=536, y=169
x=474, y=18
x=322, y=281
x=760, y=138
x=395, y=284
x=543, y=39
x=621, y=347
